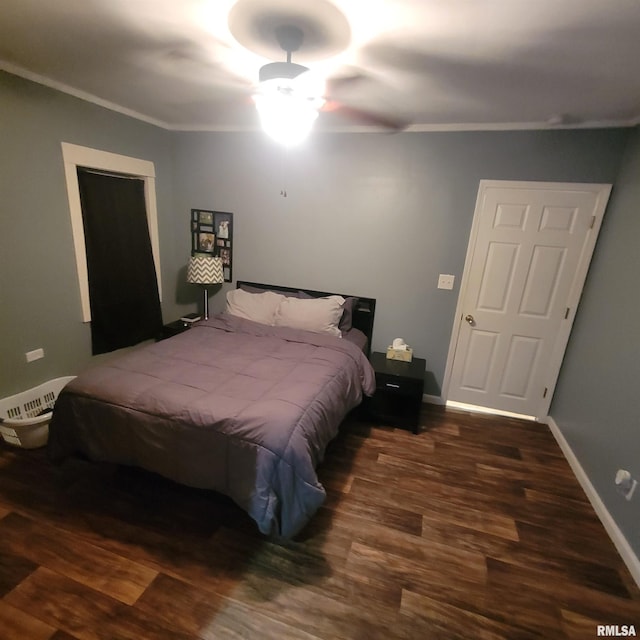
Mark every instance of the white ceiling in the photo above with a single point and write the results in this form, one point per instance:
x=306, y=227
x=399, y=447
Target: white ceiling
x=430, y=64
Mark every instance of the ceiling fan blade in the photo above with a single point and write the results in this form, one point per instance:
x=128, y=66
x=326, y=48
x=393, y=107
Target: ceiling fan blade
x=346, y=93
x=398, y=56
x=366, y=117
x=202, y=63
x=345, y=82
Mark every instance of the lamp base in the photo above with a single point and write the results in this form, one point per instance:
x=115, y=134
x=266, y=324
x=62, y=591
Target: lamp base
x=206, y=303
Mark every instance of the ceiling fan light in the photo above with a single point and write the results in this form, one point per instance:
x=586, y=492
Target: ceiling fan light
x=285, y=115
x=287, y=121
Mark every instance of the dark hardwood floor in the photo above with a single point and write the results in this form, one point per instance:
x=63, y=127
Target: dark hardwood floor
x=475, y=529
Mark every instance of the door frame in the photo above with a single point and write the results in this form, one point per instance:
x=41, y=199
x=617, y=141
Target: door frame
x=602, y=192
x=75, y=156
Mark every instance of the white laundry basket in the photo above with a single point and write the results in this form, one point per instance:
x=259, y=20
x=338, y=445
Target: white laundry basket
x=22, y=421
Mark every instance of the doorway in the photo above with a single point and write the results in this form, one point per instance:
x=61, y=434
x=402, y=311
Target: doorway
x=527, y=260
x=75, y=156
x=123, y=291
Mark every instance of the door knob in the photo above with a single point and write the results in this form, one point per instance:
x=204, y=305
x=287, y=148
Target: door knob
x=470, y=319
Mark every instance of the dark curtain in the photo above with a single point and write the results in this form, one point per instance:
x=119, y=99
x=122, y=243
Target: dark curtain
x=123, y=290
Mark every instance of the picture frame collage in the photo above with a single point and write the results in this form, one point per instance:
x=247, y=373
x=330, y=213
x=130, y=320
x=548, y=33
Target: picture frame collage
x=212, y=234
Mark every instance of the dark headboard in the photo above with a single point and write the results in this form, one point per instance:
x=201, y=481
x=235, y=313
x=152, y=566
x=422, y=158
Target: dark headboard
x=363, y=313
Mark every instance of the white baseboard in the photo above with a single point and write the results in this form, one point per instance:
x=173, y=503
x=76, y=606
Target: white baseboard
x=473, y=408
x=432, y=399
x=617, y=537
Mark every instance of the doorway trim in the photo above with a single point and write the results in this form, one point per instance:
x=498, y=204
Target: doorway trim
x=74, y=156
x=602, y=192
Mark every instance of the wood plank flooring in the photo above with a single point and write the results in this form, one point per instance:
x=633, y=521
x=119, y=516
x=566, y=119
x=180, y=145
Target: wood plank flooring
x=474, y=528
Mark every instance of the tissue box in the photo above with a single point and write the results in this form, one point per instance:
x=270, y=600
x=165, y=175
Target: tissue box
x=405, y=355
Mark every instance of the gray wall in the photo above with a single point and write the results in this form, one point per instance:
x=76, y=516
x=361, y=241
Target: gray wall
x=376, y=215
x=39, y=295
x=596, y=403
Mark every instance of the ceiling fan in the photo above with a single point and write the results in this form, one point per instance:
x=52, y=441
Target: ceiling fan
x=290, y=39
x=290, y=95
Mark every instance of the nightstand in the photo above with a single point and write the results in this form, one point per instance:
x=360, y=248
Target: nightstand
x=399, y=388
x=172, y=329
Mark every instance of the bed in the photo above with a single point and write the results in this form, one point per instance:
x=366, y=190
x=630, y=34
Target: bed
x=242, y=407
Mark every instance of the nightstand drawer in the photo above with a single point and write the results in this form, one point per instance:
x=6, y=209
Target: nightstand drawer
x=399, y=385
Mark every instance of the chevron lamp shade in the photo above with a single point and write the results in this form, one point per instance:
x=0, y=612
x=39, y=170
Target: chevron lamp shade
x=204, y=270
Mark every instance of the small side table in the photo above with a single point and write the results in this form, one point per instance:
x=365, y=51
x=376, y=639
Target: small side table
x=173, y=329
x=399, y=388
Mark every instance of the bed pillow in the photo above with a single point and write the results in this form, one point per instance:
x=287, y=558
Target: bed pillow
x=346, y=321
x=259, y=307
x=249, y=289
x=320, y=315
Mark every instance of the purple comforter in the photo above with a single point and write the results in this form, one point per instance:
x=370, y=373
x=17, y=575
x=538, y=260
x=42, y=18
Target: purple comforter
x=230, y=405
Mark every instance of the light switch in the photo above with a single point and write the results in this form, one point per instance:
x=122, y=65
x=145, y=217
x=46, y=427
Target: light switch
x=36, y=354
x=445, y=281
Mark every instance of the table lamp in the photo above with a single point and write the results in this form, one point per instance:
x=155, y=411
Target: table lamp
x=205, y=270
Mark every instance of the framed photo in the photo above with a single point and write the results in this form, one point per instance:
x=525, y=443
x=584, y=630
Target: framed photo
x=212, y=234
x=206, y=242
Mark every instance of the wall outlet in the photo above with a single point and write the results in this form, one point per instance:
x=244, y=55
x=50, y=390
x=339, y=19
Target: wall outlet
x=625, y=484
x=36, y=354
x=445, y=281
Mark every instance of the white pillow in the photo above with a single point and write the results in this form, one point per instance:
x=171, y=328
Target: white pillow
x=259, y=307
x=320, y=315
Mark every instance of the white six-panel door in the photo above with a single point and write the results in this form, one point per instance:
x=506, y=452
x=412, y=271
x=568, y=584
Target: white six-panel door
x=528, y=256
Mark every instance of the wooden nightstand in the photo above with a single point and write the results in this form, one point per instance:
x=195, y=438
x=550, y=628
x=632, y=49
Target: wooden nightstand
x=399, y=389
x=172, y=329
